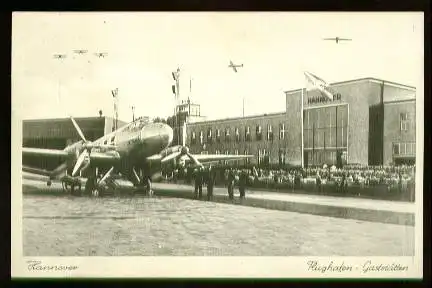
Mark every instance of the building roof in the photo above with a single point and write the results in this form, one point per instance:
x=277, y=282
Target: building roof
x=68, y=119
x=371, y=79
x=239, y=118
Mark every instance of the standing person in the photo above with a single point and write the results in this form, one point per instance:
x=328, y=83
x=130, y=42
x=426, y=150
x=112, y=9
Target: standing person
x=197, y=182
x=175, y=175
x=242, y=184
x=318, y=182
x=231, y=179
x=200, y=181
x=400, y=183
x=343, y=183
x=210, y=184
x=149, y=189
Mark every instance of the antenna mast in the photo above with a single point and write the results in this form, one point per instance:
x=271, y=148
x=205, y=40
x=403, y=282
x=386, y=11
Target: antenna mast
x=116, y=102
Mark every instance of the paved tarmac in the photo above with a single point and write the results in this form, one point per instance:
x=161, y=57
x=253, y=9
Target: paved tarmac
x=406, y=207
x=393, y=212
x=160, y=226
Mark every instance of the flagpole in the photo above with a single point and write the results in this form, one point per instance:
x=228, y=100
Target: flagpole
x=302, y=129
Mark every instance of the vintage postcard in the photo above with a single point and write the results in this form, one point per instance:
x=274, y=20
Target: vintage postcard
x=283, y=145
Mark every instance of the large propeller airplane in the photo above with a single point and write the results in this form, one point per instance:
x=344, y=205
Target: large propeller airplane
x=234, y=66
x=337, y=39
x=80, y=51
x=101, y=54
x=139, y=146
x=59, y=56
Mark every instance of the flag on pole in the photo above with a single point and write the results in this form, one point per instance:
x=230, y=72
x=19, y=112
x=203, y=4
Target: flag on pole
x=314, y=82
x=114, y=92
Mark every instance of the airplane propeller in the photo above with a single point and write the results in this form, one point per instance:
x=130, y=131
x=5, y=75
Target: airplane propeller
x=84, y=157
x=81, y=134
x=181, y=150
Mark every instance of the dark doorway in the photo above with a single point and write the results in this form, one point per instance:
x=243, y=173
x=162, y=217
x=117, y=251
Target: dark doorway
x=339, y=159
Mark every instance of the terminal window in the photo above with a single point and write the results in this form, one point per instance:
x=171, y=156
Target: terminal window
x=193, y=138
x=201, y=137
x=247, y=134
x=269, y=133
x=325, y=133
x=218, y=135
x=404, y=122
x=282, y=131
x=404, y=148
x=258, y=133
x=246, y=152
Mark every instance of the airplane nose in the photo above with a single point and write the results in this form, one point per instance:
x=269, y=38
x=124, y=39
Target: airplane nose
x=168, y=131
x=160, y=132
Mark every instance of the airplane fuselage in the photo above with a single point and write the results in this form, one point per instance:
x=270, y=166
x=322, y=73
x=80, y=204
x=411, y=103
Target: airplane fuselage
x=135, y=144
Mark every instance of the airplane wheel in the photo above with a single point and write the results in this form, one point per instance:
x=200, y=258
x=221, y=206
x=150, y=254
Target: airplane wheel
x=76, y=190
x=89, y=187
x=95, y=193
x=49, y=183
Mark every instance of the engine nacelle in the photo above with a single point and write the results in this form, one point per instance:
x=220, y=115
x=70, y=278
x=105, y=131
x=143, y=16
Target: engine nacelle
x=170, y=150
x=156, y=177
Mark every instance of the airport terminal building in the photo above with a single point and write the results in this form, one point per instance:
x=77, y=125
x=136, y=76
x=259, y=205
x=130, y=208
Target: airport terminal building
x=369, y=122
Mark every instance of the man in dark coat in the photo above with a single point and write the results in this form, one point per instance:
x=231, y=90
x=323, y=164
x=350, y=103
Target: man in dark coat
x=198, y=183
x=231, y=178
x=242, y=184
x=318, y=183
x=210, y=183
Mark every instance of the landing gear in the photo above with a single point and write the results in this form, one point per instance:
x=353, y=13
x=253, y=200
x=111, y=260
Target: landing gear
x=73, y=183
x=95, y=193
x=91, y=188
x=149, y=189
x=49, y=183
x=144, y=187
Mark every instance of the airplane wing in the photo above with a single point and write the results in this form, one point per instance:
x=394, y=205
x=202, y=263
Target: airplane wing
x=345, y=39
x=235, y=69
x=231, y=63
x=329, y=38
x=102, y=158
x=212, y=158
x=37, y=171
x=44, y=152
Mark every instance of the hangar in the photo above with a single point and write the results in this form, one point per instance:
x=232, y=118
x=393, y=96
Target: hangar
x=368, y=122
x=58, y=133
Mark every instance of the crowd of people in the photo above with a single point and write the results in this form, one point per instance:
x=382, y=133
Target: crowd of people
x=395, y=178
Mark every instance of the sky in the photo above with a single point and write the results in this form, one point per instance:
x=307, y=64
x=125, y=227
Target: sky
x=144, y=48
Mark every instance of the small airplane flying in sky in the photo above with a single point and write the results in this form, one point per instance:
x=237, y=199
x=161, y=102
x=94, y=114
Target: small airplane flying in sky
x=337, y=39
x=59, y=56
x=80, y=51
x=101, y=54
x=137, y=151
x=235, y=66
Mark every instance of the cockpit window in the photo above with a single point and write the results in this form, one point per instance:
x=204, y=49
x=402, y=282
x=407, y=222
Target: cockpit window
x=137, y=125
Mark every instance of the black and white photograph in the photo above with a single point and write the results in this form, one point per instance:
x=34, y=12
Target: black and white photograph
x=244, y=144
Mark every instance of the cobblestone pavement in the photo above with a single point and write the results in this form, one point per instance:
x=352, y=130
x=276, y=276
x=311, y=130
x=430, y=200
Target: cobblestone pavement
x=70, y=226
